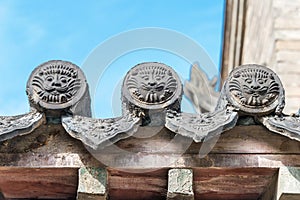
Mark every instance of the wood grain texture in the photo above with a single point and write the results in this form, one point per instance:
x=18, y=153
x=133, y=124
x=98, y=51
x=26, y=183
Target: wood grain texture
x=44, y=164
x=38, y=183
x=252, y=139
x=250, y=183
x=149, y=184
x=243, y=146
x=209, y=183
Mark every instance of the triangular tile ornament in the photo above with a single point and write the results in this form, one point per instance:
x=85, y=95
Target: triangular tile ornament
x=256, y=92
x=151, y=96
x=148, y=90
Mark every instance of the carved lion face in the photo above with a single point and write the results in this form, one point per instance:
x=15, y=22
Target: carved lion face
x=55, y=84
x=254, y=87
x=151, y=83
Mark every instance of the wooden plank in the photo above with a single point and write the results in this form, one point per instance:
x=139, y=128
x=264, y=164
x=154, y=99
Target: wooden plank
x=242, y=146
x=211, y=160
x=250, y=183
x=255, y=139
x=209, y=183
x=226, y=40
x=38, y=183
x=145, y=184
x=142, y=160
x=271, y=189
x=240, y=139
x=46, y=138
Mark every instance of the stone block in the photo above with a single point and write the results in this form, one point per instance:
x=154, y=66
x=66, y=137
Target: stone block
x=180, y=184
x=92, y=184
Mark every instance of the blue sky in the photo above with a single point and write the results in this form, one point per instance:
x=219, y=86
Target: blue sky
x=35, y=31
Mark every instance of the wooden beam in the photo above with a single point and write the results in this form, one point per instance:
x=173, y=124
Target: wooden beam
x=49, y=164
x=209, y=183
x=232, y=183
x=243, y=146
x=240, y=139
x=154, y=160
x=270, y=189
x=180, y=184
x=252, y=139
x=147, y=184
x=55, y=183
x=233, y=35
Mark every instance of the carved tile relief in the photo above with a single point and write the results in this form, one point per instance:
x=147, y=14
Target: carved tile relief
x=152, y=85
x=56, y=85
x=151, y=96
x=254, y=89
x=11, y=126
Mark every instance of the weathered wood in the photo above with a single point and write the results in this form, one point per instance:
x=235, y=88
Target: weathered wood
x=226, y=38
x=60, y=183
x=234, y=30
x=240, y=139
x=50, y=147
x=155, y=160
x=227, y=184
x=53, y=147
x=180, y=184
x=258, y=33
x=255, y=140
x=244, y=146
x=209, y=183
x=92, y=184
x=143, y=184
x=270, y=189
